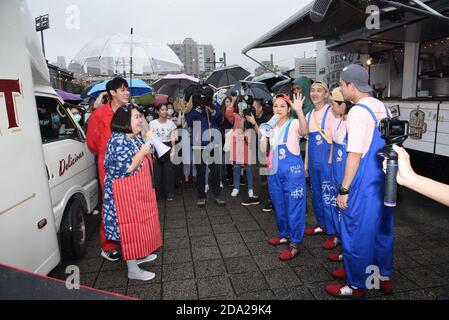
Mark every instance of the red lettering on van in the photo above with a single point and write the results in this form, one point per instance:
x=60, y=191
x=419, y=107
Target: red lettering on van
x=7, y=87
x=65, y=165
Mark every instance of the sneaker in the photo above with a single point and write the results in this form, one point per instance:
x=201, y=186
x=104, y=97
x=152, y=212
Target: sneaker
x=141, y=274
x=268, y=207
x=335, y=257
x=250, y=201
x=221, y=185
x=234, y=192
x=314, y=231
x=339, y=273
x=170, y=197
x=219, y=201
x=344, y=291
x=250, y=193
x=201, y=202
x=206, y=188
x=289, y=253
x=111, y=255
x=278, y=240
x=330, y=243
x=148, y=258
x=386, y=286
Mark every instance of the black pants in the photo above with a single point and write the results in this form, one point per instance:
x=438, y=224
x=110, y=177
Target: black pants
x=164, y=176
x=214, y=178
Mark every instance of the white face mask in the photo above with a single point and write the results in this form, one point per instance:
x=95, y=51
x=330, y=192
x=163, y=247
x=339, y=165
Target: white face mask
x=170, y=112
x=77, y=117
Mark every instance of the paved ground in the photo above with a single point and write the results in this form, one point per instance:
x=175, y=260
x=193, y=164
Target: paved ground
x=222, y=253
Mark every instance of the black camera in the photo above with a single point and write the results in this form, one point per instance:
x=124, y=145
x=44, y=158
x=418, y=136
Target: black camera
x=394, y=132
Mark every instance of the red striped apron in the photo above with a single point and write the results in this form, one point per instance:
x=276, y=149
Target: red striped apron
x=137, y=213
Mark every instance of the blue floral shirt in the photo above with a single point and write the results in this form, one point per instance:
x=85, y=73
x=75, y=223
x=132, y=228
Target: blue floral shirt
x=119, y=153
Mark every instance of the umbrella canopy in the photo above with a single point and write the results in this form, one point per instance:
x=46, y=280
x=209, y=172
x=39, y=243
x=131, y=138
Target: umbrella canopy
x=87, y=89
x=160, y=98
x=284, y=86
x=258, y=90
x=137, y=87
x=227, y=76
x=173, y=85
x=146, y=99
x=67, y=96
x=111, y=55
x=269, y=78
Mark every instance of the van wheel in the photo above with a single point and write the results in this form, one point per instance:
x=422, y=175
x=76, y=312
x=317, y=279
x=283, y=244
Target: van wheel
x=73, y=231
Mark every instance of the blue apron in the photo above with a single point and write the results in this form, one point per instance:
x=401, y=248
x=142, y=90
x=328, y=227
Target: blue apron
x=339, y=155
x=287, y=188
x=320, y=175
x=367, y=225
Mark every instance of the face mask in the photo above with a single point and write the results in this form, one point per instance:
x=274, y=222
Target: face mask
x=55, y=118
x=170, y=112
x=77, y=117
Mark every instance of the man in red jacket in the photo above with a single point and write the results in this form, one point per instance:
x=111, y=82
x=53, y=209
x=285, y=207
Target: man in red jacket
x=98, y=134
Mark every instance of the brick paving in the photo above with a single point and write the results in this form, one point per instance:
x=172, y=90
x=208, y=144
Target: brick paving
x=222, y=253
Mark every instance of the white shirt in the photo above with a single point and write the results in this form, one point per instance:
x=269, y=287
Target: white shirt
x=163, y=130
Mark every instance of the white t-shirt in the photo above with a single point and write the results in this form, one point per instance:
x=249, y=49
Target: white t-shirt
x=360, y=124
x=163, y=130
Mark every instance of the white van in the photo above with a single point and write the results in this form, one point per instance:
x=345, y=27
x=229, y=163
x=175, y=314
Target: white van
x=48, y=179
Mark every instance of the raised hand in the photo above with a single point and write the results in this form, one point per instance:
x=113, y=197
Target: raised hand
x=298, y=102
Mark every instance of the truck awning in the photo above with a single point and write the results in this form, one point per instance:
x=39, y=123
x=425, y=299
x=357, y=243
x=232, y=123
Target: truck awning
x=345, y=25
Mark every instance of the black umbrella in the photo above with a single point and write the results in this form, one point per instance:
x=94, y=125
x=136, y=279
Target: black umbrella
x=269, y=78
x=257, y=90
x=226, y=76
x=174, y=85
x=284, y=86
x=84, y=93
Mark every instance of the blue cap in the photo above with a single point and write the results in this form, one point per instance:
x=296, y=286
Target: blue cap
x=357, y=75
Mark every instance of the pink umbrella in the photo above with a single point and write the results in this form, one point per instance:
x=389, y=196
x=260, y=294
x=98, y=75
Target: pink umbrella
x=160, y=98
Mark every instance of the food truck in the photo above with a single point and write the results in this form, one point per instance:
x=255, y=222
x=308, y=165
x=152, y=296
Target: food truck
x=405, y=47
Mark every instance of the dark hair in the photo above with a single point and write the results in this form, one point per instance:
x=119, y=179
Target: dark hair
x=259, y=101
x=223, y=107
x=160, y=105
x=121, y=121
x=348, y=105
x=115, y=84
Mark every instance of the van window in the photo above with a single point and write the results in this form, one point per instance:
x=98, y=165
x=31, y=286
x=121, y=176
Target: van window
x=54, y=121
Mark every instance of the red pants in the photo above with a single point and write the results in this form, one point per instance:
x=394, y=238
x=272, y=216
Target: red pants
x=106, y=245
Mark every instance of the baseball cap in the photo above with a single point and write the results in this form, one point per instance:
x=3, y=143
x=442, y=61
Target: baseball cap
x=321, y=84
x=337, y=95
x=357, y=75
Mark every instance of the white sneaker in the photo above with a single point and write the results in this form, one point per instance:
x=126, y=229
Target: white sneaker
x=250, y=193
x=206, y=188
x=148, y=258
x=235, y=192
x=221, y=185
x=141, y=274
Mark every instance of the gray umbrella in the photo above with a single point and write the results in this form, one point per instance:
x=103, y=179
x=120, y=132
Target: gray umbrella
x=227, y=76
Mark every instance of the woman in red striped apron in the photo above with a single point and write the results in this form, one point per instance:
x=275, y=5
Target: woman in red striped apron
x=130, y=206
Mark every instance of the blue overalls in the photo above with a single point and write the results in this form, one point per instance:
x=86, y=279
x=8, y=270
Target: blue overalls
x=320, y=175
x=367, y=225
x=339, y=156
x=287, y=188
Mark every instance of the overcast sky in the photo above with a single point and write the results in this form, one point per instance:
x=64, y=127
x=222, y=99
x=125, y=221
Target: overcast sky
x=228, y=25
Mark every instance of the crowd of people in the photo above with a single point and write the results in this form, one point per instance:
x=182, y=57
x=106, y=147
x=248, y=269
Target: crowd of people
x=329, y=137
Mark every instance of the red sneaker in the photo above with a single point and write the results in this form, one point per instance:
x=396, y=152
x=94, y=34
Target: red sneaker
x=311, y=231
x=335, y=257
x=278, y=240
x=344, y=291
x=330, y=243
x=289, y=253
x=339, y=273
x=386, y=287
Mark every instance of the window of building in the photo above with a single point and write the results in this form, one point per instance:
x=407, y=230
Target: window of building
x=433, y=70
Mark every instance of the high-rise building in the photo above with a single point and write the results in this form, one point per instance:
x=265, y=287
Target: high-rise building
x=60, y=62
x=306, y=67
x=197, y=58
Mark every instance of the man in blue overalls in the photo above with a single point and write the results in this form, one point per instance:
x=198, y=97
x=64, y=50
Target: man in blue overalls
x=366, y=224
x=320, y=121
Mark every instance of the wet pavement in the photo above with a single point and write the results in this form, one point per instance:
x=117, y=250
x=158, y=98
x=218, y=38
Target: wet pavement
x=222, y=253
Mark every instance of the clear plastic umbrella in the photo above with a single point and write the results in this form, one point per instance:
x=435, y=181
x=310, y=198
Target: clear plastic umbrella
x=111, y=55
